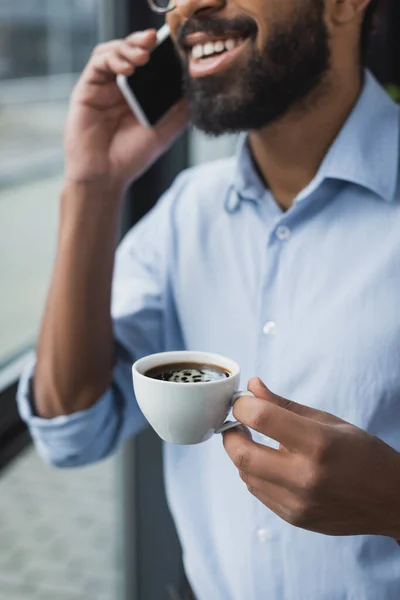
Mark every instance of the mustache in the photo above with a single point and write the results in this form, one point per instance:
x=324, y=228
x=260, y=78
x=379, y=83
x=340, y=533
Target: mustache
x=240, y=27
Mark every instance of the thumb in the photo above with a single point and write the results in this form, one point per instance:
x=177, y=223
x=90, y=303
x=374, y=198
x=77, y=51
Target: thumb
x=259, y=389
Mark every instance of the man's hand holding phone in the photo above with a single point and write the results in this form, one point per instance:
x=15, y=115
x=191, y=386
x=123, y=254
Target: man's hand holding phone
x=106, y=148
x=104, y=141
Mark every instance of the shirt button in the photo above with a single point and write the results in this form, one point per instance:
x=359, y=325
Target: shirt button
x=263, y=535
x=283, y=233
x=269, y=328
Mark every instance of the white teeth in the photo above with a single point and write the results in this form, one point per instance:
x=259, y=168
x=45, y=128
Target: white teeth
x=208, y=49
x=201, y=50
x=197, y=51
x=219, y=46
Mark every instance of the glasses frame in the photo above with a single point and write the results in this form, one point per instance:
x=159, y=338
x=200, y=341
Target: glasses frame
x=161, y=11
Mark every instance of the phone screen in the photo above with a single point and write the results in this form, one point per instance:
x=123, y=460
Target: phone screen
x=158, y=84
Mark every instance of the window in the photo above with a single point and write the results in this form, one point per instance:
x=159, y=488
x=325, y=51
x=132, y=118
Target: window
x=43, y=46
x=58, y=529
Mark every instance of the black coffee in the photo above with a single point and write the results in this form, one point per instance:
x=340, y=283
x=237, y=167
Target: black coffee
x=188, y=373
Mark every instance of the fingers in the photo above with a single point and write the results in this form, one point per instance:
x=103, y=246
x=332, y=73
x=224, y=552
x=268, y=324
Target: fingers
x=292, y=430
x=120, y=57
x=272, y=496
x=259, y=389
x=245, y=430
x=275, y=494
x=140, y=39
x=145, y=39
x=257, y=460
x=108, y=65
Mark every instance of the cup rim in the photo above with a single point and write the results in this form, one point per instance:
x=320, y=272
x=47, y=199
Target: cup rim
x=234, y=372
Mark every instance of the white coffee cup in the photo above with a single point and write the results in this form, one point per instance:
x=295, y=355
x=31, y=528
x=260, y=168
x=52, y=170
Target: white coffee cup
x=186, y=413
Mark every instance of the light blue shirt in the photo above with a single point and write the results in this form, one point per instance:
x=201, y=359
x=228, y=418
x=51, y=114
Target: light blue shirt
x=309, y=300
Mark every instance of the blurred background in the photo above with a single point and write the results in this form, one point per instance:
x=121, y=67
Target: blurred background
x=88, y=534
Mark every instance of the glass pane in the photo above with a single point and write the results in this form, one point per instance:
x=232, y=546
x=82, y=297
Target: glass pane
x=43, y=46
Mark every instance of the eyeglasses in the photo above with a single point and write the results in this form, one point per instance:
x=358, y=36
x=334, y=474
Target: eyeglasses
x=162, y=7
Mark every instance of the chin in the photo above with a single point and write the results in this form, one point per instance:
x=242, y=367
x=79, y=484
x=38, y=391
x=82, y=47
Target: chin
x=220, y=112
x=219, y=104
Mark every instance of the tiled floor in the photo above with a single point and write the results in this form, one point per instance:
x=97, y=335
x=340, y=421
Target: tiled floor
x=58, y=532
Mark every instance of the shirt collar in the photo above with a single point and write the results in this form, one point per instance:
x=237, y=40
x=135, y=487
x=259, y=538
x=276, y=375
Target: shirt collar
x=365, y=152
x=248, y=184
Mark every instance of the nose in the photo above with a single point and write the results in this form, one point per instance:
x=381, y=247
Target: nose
x=185, y=9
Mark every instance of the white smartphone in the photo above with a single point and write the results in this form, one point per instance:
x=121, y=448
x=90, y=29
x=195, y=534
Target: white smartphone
x=156, y=87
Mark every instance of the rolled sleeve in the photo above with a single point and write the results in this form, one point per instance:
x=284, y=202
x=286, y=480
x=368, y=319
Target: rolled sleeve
x=138, y=312
x=87, y=436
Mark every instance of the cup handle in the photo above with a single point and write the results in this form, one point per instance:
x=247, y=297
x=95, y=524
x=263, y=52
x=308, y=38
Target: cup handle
x=232, y=424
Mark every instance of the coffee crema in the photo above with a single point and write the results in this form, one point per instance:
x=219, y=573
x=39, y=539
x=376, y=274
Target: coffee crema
x=188, y=372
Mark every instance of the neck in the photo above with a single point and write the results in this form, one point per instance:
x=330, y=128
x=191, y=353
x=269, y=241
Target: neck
x=288, y=153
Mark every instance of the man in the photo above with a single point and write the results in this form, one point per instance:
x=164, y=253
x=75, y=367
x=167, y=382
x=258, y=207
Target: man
x=286, y=259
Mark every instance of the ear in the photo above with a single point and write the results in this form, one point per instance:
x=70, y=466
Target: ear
x=343, y=12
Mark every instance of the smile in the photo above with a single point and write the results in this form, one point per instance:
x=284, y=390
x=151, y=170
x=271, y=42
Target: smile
x=211, y=48
x=208, y=55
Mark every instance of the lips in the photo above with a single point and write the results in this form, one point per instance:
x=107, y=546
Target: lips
x=211, y=43
x=212, y=57
x=209, y=53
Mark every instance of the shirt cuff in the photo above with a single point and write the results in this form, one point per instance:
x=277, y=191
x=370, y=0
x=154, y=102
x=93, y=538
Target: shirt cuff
x=86, y=436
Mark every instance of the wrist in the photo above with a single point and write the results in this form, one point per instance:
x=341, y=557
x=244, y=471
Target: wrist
x=100, y=191
x=103, y=184
x=90, y=209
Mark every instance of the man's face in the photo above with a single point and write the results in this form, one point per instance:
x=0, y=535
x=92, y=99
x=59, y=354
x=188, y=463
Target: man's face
x=248, y=62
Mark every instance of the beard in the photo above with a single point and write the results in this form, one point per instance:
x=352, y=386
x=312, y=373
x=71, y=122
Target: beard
x=251, y=96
